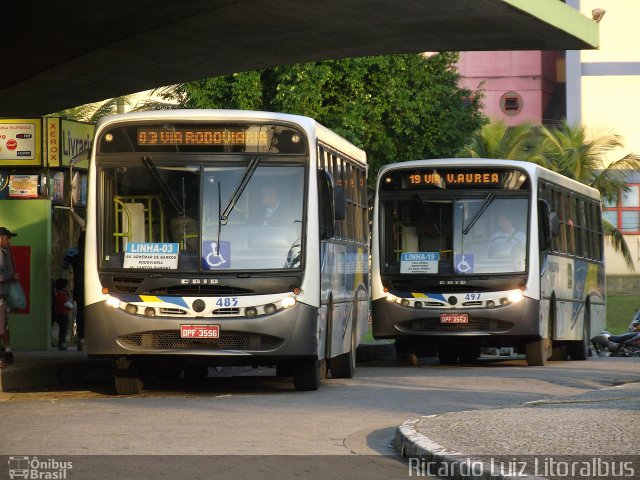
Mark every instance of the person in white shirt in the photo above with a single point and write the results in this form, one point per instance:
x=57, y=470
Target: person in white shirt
x=507, y=233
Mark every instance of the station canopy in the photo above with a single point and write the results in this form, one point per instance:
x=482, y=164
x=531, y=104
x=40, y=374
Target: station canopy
x=67, y=53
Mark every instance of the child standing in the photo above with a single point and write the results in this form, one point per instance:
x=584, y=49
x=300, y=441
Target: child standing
x=62, y=308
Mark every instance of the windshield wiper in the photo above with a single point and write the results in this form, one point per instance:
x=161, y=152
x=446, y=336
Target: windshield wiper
x=149, y=165
x=246, y=176
x=476, y=217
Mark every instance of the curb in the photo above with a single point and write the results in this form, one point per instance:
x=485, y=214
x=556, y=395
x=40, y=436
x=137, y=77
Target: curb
x=413, y=445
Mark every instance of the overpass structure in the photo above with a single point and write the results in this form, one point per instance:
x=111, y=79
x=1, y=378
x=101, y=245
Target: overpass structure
x=67, y=53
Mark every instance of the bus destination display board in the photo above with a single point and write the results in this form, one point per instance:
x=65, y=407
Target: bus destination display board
x=458, y=178
x=201, y=136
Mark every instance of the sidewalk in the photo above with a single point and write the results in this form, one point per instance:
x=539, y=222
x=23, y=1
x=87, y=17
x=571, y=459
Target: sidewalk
x=584, y=428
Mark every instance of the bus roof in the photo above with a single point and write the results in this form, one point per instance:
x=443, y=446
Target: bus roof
x=534, y=171
x=313, y=128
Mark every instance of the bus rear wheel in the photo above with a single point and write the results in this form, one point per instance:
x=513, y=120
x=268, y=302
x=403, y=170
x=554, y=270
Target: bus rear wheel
x=306, y=375
x=344, y=365
x=579, y=349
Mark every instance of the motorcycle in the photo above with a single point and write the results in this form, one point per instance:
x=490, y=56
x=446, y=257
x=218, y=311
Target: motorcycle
x=625, y=345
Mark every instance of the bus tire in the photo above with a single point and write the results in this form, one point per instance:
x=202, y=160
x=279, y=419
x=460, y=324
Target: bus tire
x=538, y=352
x=306, y=375
x=127, y=381
x=579, y=349
x=344, y=365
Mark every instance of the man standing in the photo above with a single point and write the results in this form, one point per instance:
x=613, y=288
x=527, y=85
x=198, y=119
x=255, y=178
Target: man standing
x=7, y=274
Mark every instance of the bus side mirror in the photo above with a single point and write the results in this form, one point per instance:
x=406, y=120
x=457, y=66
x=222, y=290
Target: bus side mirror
x=339, y=203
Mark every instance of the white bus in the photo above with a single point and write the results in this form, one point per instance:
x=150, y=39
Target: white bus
x=472, y=253
x=220, y=237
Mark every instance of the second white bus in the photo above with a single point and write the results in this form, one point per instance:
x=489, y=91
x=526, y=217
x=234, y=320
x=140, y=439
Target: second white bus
x=472, y=253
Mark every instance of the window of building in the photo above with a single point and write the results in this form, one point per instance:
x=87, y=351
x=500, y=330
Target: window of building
x=625, y=215
x=511, y=103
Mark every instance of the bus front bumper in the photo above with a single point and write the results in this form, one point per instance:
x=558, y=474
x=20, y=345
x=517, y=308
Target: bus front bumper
x=287, y=333
x=515, y=321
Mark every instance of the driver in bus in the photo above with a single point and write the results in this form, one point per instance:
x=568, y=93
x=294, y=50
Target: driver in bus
x=507, y=233
x=508, y=241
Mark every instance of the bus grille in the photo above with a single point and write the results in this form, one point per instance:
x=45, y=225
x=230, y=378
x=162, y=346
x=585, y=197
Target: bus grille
x=475, y=324
x=127, y=285
x=171, y=340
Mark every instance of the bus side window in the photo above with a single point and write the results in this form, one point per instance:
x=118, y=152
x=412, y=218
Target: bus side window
x=548, y=225
x=326, y=213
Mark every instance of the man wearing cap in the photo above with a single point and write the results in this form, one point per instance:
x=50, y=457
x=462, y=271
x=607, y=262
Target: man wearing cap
x=7, y=274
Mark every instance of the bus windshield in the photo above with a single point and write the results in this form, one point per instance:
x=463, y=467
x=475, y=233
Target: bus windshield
x=228, y=215
x=454, y=235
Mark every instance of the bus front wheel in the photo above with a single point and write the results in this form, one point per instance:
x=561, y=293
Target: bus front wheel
x=538, y=352
x=126, y=376
x=306, y=375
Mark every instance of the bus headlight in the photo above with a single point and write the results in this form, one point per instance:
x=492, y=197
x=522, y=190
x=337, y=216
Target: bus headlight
x=250, y=312
x=270, y=309
x=515, y=296
x=113, y=302
x=404, y=302
x=391, y=298
x=288, y=302
x=131, y=308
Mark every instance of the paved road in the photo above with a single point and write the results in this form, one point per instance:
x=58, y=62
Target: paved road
x=257, y=414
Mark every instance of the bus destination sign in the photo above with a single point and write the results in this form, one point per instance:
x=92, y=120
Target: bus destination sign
x=455, y=178
x=201, y=136
x=458, y=178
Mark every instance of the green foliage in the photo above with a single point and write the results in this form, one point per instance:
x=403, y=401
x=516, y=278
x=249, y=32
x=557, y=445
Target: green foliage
x=497, y=140
x=396, y=108
x=620, y=311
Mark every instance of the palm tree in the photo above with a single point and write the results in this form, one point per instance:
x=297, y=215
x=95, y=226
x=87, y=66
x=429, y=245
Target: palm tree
x=92, y=112
x=497, y=140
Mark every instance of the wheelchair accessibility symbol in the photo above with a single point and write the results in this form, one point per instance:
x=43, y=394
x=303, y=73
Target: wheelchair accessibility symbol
x=463, y=262
x=214, y=257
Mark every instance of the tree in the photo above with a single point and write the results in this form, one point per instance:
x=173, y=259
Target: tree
x=497, y=140
x=399, y=107
x=92, y=112
x=567, y=150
